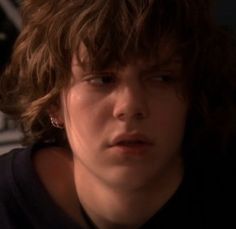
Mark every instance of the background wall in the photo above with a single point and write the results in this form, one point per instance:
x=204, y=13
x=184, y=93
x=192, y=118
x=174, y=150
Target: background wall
x=10, y=23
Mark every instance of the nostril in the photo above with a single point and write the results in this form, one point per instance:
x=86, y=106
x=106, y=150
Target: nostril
x=130, y=105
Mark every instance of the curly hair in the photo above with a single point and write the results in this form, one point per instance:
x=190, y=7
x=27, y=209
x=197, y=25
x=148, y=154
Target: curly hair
x=114, y=31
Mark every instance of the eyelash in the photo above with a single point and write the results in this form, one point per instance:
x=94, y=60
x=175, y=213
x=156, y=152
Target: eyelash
x=165, y=77
x=162, y=77
x=100, y=80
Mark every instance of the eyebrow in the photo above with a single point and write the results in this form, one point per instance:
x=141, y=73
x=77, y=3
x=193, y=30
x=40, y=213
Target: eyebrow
x=176, y=61
x=172, y=59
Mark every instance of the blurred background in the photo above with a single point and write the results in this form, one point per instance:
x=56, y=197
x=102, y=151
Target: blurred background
x=10, y=25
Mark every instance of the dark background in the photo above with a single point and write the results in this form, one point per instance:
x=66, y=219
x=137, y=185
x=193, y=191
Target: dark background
x=225, y=12
x=8, y=34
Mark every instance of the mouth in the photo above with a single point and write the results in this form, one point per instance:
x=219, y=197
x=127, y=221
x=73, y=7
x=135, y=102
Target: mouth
x=131, y=143
x=135, y=144
x=130, y=139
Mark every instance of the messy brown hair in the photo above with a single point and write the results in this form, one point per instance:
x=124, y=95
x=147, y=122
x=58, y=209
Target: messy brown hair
x=113, y=31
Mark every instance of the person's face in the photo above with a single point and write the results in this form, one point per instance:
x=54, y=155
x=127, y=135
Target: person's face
x=125, y=125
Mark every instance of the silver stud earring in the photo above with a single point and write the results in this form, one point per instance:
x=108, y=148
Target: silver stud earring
x=55, y=123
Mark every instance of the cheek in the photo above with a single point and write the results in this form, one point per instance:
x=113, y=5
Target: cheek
x=171, y=120
x=80, y=104
x=85, y=114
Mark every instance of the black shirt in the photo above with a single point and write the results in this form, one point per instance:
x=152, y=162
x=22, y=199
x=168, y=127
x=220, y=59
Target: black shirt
x=24, y=202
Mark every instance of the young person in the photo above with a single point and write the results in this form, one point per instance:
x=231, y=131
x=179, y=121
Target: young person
x=127, y=109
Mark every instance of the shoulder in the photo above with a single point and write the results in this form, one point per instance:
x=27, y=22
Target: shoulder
x=10, y=164
x=221, y=194
x=6, y=162
x=8, y=201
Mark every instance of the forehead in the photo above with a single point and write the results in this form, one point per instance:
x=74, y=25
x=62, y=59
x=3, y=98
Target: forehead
x=167, y=53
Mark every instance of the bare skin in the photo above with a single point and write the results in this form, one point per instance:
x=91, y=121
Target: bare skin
x=55, y=169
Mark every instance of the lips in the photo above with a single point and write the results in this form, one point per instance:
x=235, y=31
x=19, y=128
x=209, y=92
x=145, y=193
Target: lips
x=130, y=143
x=130, y=139
x=135, y=144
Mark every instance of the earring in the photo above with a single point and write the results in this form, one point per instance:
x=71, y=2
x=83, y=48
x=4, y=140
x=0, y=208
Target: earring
x=55, y=123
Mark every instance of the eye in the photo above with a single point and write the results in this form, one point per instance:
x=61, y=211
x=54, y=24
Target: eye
x=162, y=77
x=100, y=80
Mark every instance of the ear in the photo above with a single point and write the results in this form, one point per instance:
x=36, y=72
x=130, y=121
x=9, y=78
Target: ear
x=55, y=112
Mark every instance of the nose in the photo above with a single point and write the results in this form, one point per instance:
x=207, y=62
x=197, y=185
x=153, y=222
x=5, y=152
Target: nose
x=131, y=103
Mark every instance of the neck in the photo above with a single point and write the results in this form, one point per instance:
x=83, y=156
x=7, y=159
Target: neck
x=119, y=207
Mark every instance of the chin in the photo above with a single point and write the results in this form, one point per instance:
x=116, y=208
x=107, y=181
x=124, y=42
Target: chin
x=130, y=179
